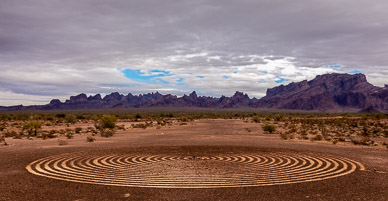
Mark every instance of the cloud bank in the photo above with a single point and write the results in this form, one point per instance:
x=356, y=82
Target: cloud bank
x=53, y=49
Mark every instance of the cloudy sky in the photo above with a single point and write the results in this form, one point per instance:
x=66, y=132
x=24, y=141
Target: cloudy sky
x=57, y=48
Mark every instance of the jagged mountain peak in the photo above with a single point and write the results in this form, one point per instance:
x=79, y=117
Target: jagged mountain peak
x=326, y=92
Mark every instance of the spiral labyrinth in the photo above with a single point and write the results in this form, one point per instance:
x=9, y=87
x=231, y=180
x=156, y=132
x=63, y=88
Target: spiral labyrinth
x=199, y=171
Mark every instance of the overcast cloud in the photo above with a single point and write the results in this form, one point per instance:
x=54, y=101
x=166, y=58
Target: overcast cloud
x=54, y=48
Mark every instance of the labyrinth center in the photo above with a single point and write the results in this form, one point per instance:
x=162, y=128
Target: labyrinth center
x=192, y=171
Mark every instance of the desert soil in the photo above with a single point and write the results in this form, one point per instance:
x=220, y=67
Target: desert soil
x=201, y=137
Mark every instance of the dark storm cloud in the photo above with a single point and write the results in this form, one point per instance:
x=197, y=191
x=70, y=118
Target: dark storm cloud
x=45, y=44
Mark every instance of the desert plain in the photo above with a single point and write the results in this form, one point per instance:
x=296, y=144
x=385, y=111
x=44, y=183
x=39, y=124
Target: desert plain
x=175, y=158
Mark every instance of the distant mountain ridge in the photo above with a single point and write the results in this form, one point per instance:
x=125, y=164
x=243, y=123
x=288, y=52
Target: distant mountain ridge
x=329, y=92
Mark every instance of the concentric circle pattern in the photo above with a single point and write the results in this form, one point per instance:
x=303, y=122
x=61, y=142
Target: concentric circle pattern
x=199, y=171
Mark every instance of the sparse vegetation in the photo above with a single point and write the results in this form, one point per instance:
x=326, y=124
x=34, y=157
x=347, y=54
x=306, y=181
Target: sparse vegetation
x=365, y=129
x=32, y=127
x=267, y=127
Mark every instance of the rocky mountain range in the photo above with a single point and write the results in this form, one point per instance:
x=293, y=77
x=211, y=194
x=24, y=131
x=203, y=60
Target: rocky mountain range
x=329, y=92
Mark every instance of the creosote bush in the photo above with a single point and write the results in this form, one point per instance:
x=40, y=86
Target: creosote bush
x=32, y=127
x=267, y=127
x=106, y=125
x=71, y=119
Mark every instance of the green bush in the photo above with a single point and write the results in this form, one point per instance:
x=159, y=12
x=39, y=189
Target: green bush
x=106, y=125
x=269, y=127
x=32, y=127
x=71, y=119
x=108, y=122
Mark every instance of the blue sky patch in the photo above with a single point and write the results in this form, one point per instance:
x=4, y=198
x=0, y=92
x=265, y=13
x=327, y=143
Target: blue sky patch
x=200, y=77
x=281, y=80
x=225, y=77
x=356, y=71
x=152, y=77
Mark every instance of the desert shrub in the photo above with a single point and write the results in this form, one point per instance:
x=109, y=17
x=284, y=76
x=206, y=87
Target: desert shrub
x=256, y=119
x=48, y=136
x=138, y=116
x=317, y=138
x=69, y=135
x=278, y=117
x=267, y=127
x=268, y=118
x=284, y=136
x=385, y=133
x=3, y=126
x=62, y=142
x=356, y=142
x=334, y=141
x=90, y=139
x=60, y=115
x=107, y=133
x=303, y=135
x=32, y=127
x=19, y=135
x=108, y=122
x=121, y=127
x=10, y=133
x=78, y=130
x=143, y=126
x=106, y=125
x=183, y=119
x=71, y=119
x=170, y=115
x=80, y=116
